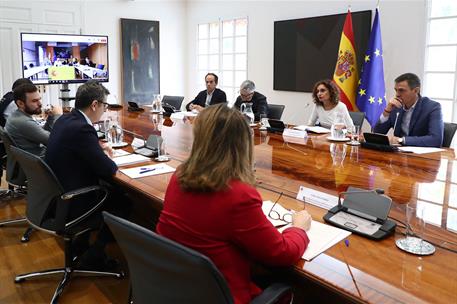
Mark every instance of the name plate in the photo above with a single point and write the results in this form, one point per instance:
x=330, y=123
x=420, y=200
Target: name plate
x=294, y=133
x=317, y=198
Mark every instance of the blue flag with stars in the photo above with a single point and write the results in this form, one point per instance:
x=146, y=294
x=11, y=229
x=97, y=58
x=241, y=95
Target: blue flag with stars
x=371, y=92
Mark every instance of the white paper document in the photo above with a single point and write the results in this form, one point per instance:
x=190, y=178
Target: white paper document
x=130, y=159
x=149, y=170
x=321, y=236
x=294, y=133
x=419, y=150
x=266, y=208
x=317, y=198
x=120, y=152
x=313, y=129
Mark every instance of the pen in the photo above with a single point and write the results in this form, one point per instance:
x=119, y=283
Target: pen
x=144, y=170
x=346, y=241
x=395, y=124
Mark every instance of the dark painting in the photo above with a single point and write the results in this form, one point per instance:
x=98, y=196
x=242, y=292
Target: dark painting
x=140, y=60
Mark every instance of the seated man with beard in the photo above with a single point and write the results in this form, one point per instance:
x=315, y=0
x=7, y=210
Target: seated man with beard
x=21, y=125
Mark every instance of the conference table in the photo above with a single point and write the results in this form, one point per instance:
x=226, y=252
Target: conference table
x=359, y=270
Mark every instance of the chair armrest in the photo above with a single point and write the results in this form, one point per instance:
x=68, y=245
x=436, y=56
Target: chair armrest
x=71, y=194
x=271, y=294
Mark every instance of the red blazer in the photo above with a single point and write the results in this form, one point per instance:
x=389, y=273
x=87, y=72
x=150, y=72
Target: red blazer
x=230, y=228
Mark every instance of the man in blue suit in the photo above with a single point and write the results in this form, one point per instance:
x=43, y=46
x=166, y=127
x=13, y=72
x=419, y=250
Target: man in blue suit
x=416, y=120
x=79, y=160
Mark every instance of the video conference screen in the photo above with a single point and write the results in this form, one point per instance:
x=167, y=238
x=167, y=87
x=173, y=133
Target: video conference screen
x=61, y=58
x=306, y=50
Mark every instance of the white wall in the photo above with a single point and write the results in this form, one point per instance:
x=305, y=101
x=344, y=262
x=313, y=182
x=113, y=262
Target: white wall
x=403, y=25
x=103, y=17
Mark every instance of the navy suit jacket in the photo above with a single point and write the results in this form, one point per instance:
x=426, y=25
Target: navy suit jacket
x=426, y=126
x=218, y=97
x=75, y=156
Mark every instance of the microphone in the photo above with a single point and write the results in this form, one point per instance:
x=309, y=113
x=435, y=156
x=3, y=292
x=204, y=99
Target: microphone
x=395, y=124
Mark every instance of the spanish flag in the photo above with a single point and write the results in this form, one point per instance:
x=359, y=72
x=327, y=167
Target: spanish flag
x=346, y=76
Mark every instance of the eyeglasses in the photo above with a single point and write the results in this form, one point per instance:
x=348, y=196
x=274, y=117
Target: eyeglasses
x=105, y=104
x=273, y=214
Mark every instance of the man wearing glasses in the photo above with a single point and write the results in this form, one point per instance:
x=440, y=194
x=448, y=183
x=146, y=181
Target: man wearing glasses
x=79, y=160
x=248, y=94
x=22, y=126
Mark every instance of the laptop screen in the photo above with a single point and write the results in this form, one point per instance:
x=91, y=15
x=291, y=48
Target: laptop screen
x=376, y=138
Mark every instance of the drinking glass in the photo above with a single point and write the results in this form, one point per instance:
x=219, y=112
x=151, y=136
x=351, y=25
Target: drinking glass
x=263, y=121
x=413, y=241
x=114, y=134
x=162, y=150
x=355, y=134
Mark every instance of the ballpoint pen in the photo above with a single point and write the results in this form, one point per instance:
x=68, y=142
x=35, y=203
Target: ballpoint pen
x=145, y=170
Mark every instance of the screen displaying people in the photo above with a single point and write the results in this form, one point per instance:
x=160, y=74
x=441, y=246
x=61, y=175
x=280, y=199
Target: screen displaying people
x=53, y=58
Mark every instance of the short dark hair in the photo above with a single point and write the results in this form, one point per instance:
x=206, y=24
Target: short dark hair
x=216, y=79
x=20, y=92
x=21, y=81
x=88, y=92
x=332, y=89
x=412, y=80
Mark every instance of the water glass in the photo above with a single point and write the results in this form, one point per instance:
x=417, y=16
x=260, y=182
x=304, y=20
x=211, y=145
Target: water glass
x=413, y=241
x=355, y=135
x=263, y=122
x=162, y=149
x=114, y=134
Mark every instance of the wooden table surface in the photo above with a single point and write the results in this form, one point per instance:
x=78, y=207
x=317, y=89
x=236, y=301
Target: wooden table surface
x=366, y=270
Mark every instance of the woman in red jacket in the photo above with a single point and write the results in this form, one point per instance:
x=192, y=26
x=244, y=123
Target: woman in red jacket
x=212, y=206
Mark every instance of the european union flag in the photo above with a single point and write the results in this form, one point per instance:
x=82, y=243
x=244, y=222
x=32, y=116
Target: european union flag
x=371, y=93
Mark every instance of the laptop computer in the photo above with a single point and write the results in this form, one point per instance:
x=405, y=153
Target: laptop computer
x=378, y=141
x=276, y=125
x=173, y=102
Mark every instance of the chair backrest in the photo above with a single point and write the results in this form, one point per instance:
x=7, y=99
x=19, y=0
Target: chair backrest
x=43, y=189
x=275, y=111
x=14, y=174
x=357, y=118
x=163, y=271
x=174, y=101
x=449, y=131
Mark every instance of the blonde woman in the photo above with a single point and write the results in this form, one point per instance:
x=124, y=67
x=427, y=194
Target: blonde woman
x=212, y=206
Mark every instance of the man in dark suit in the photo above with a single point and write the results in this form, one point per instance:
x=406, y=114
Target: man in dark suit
x=208, y=97
x=416, y=120
x=248, y=94
x=79, y=160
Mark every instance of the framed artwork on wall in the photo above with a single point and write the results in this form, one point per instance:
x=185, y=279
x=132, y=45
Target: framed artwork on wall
x=140, y=60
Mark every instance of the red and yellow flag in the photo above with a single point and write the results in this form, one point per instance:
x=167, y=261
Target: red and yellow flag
x=346, y=75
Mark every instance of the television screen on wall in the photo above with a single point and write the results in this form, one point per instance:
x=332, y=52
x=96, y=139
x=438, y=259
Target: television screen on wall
x=59, y=58
x=305, y=50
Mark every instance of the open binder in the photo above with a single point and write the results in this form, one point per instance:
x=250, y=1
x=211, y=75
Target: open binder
x=363, y=212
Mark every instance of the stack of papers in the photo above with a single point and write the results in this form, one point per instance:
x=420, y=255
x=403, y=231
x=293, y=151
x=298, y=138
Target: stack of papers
x=120, y=152
x=419, y=150
x=321, y=236
x=314, y=129
x=149, y=170
x=130, y=159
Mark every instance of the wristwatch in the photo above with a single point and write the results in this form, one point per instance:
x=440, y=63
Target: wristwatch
x=401, y=140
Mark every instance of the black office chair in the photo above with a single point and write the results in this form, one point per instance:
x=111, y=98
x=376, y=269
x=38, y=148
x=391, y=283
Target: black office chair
x=357, y=118
x=16, y=180
x=449, y=131
x=48, y=211
x=173, y=101
x=164, y=271
x=275, y=111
